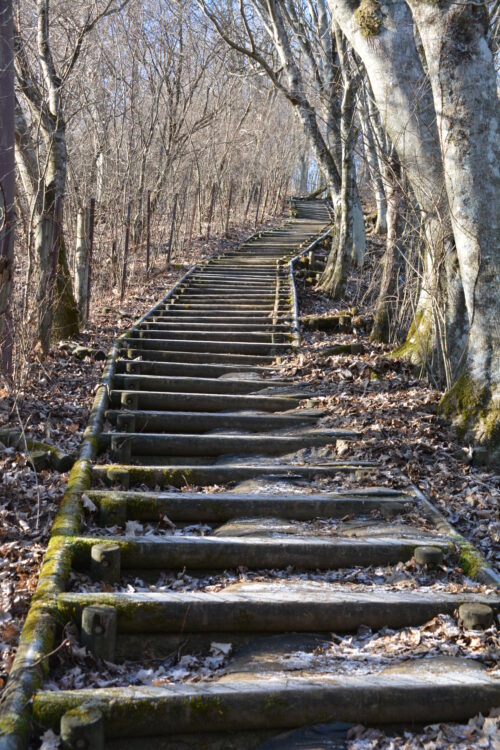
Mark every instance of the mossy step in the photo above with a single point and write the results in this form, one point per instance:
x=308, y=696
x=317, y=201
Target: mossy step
x=173, y=401
x=42, y=455
x=165, y=324
x=230, y=294
x=158, y=444
x=207, y=346
x=188, y=369
x=193, y=333
x=196, y=422
x=252, y=552
x=180, y=475
x=154, y=351
x=227, y=314
x=301, y=606
x=225, y=506
x=185, y=384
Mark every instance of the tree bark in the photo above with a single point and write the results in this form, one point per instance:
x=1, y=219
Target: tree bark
x=386, y=45
x=7, y=165
x=375, y=167
x=334, y=278
x=383, y=325
x=463, y=80
x=82, y=264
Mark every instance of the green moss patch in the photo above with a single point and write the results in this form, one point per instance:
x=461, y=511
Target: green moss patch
x=369, y=18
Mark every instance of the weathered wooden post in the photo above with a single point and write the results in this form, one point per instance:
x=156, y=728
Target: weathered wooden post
x=98, y=634
x=148, y=230
x=172, y=228
x=82, y=728
x=125, y=253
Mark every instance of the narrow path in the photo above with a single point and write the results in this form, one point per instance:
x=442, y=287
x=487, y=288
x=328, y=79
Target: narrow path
x=144, y=567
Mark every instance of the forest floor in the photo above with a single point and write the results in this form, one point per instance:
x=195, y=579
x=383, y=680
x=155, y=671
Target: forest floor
x=369, y=392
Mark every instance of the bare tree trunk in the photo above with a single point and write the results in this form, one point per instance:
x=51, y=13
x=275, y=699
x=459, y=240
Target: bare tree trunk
x=463, y=82
x=82, y=264
x=386, y=45
x=7, y=164
x=383, y=324
x=65, y=311
x=370, y=148
x=334, y=278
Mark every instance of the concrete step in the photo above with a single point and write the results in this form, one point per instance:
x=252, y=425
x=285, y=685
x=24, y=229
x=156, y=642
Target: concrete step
x=182, y=474
x=196, y=422
x=227, y=506
x=415, y=693
x=189, y=369
x=228, y=553
x=208, y=346
x=193, y=333
x=155, y=352
x=305, y=606
x=184, y=384
x=181, y=324
x=181, y=401
x=124, y=445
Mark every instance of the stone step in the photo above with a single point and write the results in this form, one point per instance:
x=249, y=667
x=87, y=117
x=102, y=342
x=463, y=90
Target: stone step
x=233, y=290
x=228, y=553
x=414, y=692
x=155, y=352
x=127, y=444
x=243, y=280
x=185, y=384
x=172, y=314
x=175, y=401
x=182, y=474
x=226, y=506
x=247, y=337
x=181, y=324
x=225, y=306
x=208, y=346
x=304, y=606
x=199, y=422
x=188, y=297
x=187, y=369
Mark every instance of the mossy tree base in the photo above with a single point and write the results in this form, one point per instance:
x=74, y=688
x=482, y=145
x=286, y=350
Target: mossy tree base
x=66, y=320
x=475, y=415
x=418, y=345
